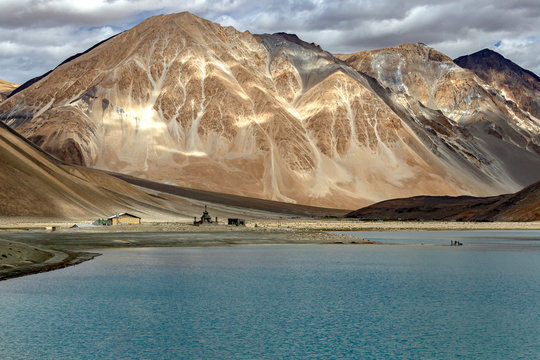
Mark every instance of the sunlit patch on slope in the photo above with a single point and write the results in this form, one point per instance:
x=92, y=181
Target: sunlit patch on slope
x=185, y=153
x=243, y=121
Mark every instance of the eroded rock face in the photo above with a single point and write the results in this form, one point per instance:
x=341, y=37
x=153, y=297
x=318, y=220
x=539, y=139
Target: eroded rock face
x=421, y=76
x=181, y=100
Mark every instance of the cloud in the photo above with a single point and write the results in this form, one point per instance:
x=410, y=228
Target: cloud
x=28, y=53
x=520, y=51
x=36, y=35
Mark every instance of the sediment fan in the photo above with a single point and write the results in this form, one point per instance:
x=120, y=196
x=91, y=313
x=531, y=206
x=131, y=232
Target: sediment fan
x=181, y=100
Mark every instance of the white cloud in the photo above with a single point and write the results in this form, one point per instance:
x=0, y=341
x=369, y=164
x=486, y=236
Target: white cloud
x=26, y=54
x=36, y=35
x=524, y=51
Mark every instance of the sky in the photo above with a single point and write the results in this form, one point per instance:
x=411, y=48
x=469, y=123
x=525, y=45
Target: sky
x=37, y=35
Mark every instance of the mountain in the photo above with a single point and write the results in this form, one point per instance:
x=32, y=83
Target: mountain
x=521, y=206
x=184, y=101
x=6, y=88
x=515, y=83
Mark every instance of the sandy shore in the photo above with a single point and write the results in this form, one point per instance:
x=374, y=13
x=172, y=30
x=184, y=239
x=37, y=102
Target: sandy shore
x=19, y=259
x=354, y=225
x=7, y=224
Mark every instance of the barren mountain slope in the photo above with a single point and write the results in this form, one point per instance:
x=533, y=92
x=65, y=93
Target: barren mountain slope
x=181, y=100
x=513, y=82
x=6, y=88
x=33, y=184
x=521, y=206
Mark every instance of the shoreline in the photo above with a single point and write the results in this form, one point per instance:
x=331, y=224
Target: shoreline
x=71, y=260
x=19, y=259
x=34, y=250
x=394, y=225
x=41, y=249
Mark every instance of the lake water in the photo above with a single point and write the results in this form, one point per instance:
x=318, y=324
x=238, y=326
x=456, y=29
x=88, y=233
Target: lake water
x=276, y=302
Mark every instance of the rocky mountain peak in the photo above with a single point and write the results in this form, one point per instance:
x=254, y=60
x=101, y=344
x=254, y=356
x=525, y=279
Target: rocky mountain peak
x=516, y=84
x=492, y=59
x=292, y=38
x=421, y=52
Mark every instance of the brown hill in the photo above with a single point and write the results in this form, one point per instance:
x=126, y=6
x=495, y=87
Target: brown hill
x=264, y=207
x=521, y=206
x=184, y=101
x=6, y=88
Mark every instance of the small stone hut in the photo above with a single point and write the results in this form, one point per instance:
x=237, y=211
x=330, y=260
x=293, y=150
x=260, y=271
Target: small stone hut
x=123, y=218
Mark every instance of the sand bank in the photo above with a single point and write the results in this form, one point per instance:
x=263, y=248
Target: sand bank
x=355, y=225
x=19, y=259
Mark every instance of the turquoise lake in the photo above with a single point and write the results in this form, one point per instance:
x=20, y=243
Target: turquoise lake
x=478, y=301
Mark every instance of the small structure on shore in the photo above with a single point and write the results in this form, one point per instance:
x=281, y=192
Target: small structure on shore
x=75, y=226
x=119, y=218
x=205, y=218
x=236, y=221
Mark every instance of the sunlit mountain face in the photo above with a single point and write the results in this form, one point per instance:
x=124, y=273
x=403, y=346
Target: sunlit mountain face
x=181, y=100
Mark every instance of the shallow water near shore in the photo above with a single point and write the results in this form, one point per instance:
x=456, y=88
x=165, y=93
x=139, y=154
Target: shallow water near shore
x=445, y=237
x=284, y=301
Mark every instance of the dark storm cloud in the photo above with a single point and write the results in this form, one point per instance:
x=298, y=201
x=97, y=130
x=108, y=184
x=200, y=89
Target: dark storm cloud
x=35, y=35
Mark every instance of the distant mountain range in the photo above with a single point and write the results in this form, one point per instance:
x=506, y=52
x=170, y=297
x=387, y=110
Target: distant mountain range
x=181, y=100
